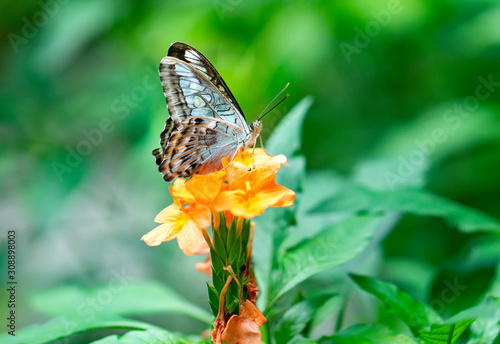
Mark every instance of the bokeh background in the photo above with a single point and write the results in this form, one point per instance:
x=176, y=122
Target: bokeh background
x=82, y=108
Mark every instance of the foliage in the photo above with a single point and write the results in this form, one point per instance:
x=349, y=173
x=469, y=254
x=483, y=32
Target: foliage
x=394, y=236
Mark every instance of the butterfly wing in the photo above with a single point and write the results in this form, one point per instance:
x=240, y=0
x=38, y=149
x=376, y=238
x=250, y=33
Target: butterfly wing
x=205, y=124
x=164, y=136
x=196, y=60
x=198, y=147
x=189, y=93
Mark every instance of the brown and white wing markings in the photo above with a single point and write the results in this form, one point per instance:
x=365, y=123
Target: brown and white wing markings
x=165, y=134
x=198, y=147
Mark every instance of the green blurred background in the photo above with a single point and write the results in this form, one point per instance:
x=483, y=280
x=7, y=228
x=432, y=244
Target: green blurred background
x=81, y=76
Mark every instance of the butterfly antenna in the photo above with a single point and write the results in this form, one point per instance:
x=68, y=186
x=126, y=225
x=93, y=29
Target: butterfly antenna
x=272, y=101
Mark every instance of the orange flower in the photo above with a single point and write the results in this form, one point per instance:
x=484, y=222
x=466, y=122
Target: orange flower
x=250, y=159
x=205, y=267
x=252, y=193
x=185, y=224
x=244, y=328
x=229, y=218
x=205, y=188
x=179, y=192
x=258, y=158
x=239, y=190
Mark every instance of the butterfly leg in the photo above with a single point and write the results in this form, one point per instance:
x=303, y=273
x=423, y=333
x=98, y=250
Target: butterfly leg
x=253, y=154
x=253, y=150
x=230, y=161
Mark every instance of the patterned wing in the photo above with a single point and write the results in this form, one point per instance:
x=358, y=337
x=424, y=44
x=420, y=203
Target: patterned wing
x=189, y=93
x=165, y=134
x=198, y=147
x=196, y=60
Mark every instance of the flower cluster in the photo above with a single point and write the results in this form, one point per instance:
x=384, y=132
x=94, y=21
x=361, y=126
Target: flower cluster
x=225, y=200
x=244, y=189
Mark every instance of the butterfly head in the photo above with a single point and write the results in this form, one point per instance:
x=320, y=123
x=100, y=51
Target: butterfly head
x=256, y=127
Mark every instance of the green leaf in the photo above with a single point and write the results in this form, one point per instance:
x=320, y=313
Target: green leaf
x=296, y=319
x=413, y=313
x=219, y=246
x=445, y=333
x=331, y=247
x=377, y=173
x=413, y=201
x=65, y=326
x=324, y=311
x=302, y=341
x=235, y=252
x=286, y=138
x=146, y=337
x=416, y=135
x=424, y=322
x=217, y=268
x=291, y=176
x=365, y=334
x=223, y=230
x=213, y=299
x=486, y=328
x=121, y=297
x=231, y=235
x=485, y=331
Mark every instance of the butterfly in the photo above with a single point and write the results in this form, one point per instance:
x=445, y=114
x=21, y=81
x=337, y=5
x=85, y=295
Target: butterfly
x=205, y=124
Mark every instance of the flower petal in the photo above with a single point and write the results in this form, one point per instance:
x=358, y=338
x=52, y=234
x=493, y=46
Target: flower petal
x=229, y=218
x=276, y=196
x=234, y=201
x=205, y=267
x=190, y=239
x=249, y=310
x=241, y=331
x=172, y=213
x=252, y=193
x=185, y=224
x=172, y=219
x=258, y=180
x=179, y=192
x=199, y=214
x=259, y=158
x=235, y=171
x=165, y=232
x=205, y=188
x=245, y=328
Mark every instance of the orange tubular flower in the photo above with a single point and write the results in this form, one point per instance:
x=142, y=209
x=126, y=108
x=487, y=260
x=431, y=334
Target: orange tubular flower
x=250, y=159
x=244, y=328
x=205, y=188
x=205, y=267
x=260, y=159
x=179, y=192
x=185, y=224
x=251, y=193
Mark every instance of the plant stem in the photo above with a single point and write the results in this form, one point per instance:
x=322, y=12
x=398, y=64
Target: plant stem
x=222, y=299
x=240, y=289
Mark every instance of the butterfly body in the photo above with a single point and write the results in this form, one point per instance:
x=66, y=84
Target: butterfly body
x=205, y=124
